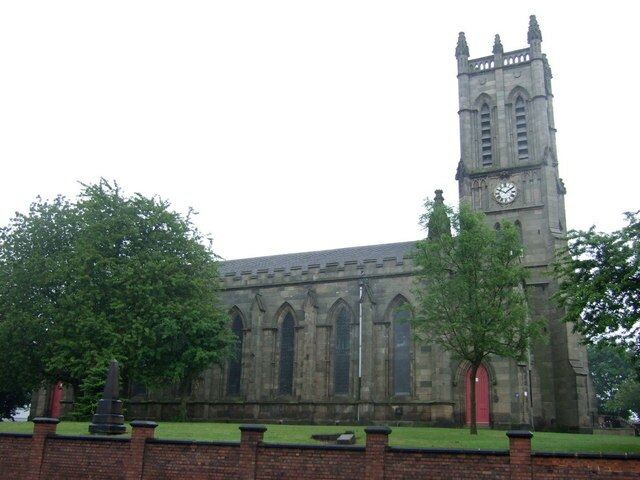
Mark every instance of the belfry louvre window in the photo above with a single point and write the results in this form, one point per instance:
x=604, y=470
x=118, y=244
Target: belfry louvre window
x=285, y=384
x=521, y=129
x=342, y=353
x=235, y=364
x=485, y=135
x=401, y=352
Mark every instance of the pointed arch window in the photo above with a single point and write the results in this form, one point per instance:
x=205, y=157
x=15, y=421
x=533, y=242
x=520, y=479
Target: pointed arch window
x=521, y=129
x=287, y=338
x=401, y=351
x=498, y=229
x=342, y=354
x=518, y=226
x=485, y=136
x=235, y=364
x=475, y=195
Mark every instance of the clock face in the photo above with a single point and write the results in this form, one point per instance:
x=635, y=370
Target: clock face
x=505, y=193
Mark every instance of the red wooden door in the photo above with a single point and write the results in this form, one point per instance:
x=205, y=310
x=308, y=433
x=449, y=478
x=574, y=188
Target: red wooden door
x=56, y=398
x=482, y=397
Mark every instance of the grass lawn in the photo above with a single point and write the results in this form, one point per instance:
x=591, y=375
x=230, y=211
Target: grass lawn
x=422, y=437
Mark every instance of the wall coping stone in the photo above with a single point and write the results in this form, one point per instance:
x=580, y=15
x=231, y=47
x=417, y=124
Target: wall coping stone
x=603, y=455
x=45, y=420
x=519, y=434
x=253, y=428
x=310, y=446
x=143, y=424
x=168, y=441
x=449, y=451
x=89, y=438
x=16, y=435
x=382, y=430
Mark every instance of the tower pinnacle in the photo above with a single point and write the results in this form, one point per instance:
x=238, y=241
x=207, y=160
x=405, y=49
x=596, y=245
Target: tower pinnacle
x=439, y=223
x=497, y=46
x=534, y=32
x=462, y=49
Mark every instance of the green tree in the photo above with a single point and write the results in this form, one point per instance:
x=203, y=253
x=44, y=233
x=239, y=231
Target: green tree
x=108, y=277
x=614, y=380
x=599, y=275
x=29, y=289
x=16, y=381
x=470, y=288
x=626, y=401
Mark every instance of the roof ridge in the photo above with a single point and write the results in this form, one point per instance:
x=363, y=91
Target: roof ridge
x=309, y=252
x=317, y=258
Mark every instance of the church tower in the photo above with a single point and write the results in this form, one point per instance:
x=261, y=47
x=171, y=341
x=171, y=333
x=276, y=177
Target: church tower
x=509, y=170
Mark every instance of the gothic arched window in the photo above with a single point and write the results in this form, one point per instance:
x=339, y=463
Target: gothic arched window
x=521, y=129
x=401, y=351
x=485, y=135
x=287, y=338
x=235, y=364
x=342, y=354
x=518, y=226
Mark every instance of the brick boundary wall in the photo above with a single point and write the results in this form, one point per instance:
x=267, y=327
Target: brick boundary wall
x=46, y=455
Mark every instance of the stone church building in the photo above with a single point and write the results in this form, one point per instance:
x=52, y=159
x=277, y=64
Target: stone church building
x=323, y=336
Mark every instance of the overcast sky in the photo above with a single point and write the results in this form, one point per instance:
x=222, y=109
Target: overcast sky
x=293, y=125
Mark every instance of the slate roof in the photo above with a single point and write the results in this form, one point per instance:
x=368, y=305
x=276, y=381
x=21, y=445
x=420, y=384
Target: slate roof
x=320, y=259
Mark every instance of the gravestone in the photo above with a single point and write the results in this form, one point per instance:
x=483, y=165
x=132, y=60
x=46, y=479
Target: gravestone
x=108, y=418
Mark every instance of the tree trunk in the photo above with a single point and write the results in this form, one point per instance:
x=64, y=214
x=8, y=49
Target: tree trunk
x=473, y=427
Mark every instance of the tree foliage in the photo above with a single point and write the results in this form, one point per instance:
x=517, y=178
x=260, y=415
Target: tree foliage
x=470, y=288
x=614, y=380
x=16, y=383
x=626, y=402
x=108, y=276
x=599, y=276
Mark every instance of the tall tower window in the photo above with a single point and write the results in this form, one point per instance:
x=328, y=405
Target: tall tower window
x=521, y=129
x=285, y=384
x=235, y=364
x=342, y=353
x=485, y=135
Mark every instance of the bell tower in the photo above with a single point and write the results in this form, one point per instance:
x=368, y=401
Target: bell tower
x=509, y=170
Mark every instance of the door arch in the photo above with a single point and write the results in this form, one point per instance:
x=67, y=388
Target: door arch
x=482, y=396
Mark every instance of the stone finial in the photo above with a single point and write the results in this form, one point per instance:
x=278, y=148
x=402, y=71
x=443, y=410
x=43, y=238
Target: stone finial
x=439, y=223
x=547, y=67
x=460, y=170
x=547, y=74
x=108, y=418
x=534, y=30
x=462, y=49
x=497, y=46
